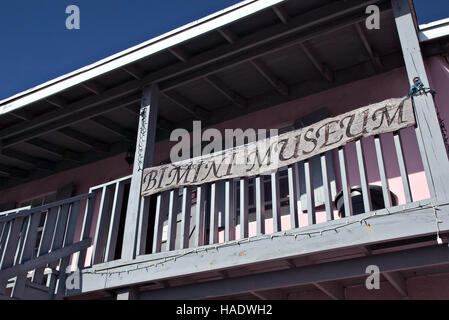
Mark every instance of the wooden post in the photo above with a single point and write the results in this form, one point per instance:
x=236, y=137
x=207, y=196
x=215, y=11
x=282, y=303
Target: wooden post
x=143, y=158
x=430, y=139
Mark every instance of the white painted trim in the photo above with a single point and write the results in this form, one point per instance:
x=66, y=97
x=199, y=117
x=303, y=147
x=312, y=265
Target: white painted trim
x=433, y=30
x=145, y=49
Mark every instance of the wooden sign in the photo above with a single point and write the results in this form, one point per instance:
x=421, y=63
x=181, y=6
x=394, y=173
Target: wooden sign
x=268, y=155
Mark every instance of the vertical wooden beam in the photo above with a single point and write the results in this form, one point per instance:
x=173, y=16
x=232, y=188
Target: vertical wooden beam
x=346, y=188
x=244, y=201
x=143, y=158
x=366, y=193
x=310, y=192
x=229, y=210
x=402, y=166
x=185, y=216
x=260, y=204
x=214, y=207
x=200, y=215
x=293, y=193
x=173, y=210
x=430, y=139
x=276, y=201
x=382, y=172
x=326, y=187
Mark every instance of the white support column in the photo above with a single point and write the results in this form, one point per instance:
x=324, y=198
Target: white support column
x=428, y=131
x=143, y=158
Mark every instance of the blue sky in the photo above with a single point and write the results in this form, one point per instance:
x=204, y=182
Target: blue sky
x=36, y=46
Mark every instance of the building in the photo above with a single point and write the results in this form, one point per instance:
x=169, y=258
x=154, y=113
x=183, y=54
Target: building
x=74, y=150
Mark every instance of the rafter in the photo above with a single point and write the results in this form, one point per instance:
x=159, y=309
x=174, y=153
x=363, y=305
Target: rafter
x=397, y=281
x=281, y=14
x=13, y=172
x=25, y=158
x=229, y=36
x=179, y=53
x=22, y=114
x=134, y=72
x=93, y=87
x=271, y=78
x=55, y=150
x=114, y=128
x=226, y=91
x=372, y=54
x=321, y=67
x=85, y=139
x=58, y=102
x=324, y=20
x=331, y=288
x=186, y=104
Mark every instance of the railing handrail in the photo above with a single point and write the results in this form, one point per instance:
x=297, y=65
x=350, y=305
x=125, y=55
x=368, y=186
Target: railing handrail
x=26, y=212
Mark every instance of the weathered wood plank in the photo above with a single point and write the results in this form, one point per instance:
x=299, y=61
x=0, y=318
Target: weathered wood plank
x=345, y=182
x=382, y=172
x=326, y=187
x=185, y=216
x=310, y=193
x=200, y=215
x=117, y=203
x=430, y=140
x=46, y=240
x=268, y=155
x=366, y=194
x=229, y=210
x=276, y=202
x=143, y=158
x=244, y=201
x=402, y=166
x=260, y=204
x=173, y=210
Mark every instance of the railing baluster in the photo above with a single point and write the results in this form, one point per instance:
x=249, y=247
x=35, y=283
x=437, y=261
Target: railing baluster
x=68, y=240
x=275, y=201
x=161, y=206
x=229, y=211
x=326, y=187
x=244, y=200
x=142, y=231
x=214, y=206
x=173, y=210
x=200, y=215
x=402, y=166
x=111, y=243
x=310, y=193
x=12, y=241
x=293, y=192
x=98, y=252
x=260, y=204
x=366, y=194
x=46, y=240
x=344, y=182
x=27, y=253
x=382, y=172
x=4, y=235
x=185, y=216
x=87, y=224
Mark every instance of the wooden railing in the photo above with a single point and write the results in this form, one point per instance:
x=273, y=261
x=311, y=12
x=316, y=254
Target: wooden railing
x=233, y=209
x=33, y=263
